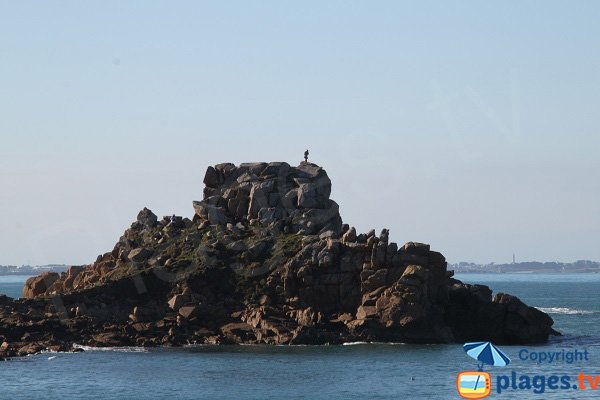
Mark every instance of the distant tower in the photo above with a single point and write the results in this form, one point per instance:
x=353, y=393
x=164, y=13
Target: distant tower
x=514, y=262
x=306, y=156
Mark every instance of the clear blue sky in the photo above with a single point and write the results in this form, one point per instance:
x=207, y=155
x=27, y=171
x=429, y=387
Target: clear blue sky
x=471, y=125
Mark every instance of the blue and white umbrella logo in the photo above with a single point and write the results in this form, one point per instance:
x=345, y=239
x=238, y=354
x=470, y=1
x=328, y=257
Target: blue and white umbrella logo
x=486, y=353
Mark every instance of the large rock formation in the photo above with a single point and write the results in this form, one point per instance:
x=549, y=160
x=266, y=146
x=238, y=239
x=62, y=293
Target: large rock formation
x=265, y=259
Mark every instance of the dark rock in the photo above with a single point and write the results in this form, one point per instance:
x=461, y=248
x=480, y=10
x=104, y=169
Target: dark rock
x=255, y=168
x=215, y=215
x=276, y=169
x=30, y=348
x=237, y=246
x=271, y=214
x=259, y=197
x=225, y=170
x=110, y=339
x=419, y=249
x=188, y=311
x=139, y=255
x=257, y=249
x=177, y=301
x=211, y=177
x=147, y=218
x=349, y=236
x=239, y=332
x=145, y=314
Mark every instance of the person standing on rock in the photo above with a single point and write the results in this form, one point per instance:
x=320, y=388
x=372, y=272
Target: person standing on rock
x=306, y=156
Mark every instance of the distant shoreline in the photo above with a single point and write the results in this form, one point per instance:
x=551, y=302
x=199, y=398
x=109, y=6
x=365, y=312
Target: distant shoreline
x=526, y=272
x=31, y=270
x=578, y=267
x=528, y=267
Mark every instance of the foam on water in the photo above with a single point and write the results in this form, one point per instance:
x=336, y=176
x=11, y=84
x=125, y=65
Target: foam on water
x=124, y=349
x=564, y=310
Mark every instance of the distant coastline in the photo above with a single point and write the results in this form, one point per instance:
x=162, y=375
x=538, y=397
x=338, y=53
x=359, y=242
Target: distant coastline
x=529, y=267
x=6, y=270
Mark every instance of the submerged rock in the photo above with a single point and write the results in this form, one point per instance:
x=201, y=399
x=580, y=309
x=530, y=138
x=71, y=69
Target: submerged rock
x=266, y=259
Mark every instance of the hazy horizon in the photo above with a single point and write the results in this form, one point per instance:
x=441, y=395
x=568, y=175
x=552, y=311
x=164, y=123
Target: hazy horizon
x=450, y=262
x=471, y=126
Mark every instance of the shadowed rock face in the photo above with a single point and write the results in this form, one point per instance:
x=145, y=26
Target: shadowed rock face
x=265, y=259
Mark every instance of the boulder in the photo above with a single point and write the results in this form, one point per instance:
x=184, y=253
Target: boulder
x=225, y=170
x=147, y=218
x=309, y=170
x=254, y=168
x=470, y=315
x=29, y=349
x=259, y=197
x=290, y=200
x=237, y=246
x=239, y=332
x=271, y=214
x=365, y=312
x=276, y=168
x=238, y=205
x=139, y=255
x=188, y=311
x=145, y=313
x=110, y=339
x=308, y=317
x=378, y=254
x=177, y=301
x=307, y=195
x=211, y=177
x=375, y=280
x=215, y=215
x=38, y=285
x=257, y=249
x=349, y=236
x=416, y=248
x=74, y=270
x=416, y=273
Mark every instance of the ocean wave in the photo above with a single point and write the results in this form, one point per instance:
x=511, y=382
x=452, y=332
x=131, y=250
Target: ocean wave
x=374, y=343
x=564, y=310
x=123, y=349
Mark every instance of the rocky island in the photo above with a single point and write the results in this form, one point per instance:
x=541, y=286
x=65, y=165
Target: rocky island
x=266, y=259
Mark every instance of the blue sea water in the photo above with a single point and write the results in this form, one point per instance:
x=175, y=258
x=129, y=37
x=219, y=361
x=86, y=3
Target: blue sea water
x=357, y=371
x=12, y=285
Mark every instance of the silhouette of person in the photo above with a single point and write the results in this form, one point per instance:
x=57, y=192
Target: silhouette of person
x=306, y=156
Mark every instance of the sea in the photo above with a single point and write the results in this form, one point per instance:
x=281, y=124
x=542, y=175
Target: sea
x=351, y=371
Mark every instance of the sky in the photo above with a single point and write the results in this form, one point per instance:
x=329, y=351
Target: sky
x=469, y=125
